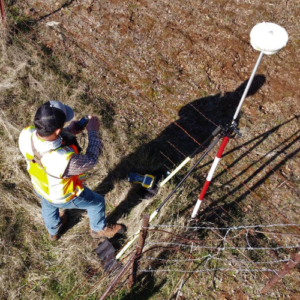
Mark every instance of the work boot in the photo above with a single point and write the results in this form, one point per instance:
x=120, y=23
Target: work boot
x=108, y=232
x=63, y=218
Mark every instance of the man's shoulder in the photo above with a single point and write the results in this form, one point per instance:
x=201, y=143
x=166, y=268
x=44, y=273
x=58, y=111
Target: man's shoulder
x=62, y=151
x=27, y=131
x=25, y=136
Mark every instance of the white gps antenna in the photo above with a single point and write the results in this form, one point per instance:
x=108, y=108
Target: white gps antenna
x=268, y=38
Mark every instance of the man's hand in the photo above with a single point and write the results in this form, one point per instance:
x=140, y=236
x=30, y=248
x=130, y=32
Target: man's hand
x=93, y=124
x=73, y=128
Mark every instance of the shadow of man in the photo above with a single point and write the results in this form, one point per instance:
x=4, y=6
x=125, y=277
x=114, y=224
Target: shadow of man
x=198, y=119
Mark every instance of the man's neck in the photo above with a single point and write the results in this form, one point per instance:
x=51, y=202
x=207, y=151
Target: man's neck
x=49, y=138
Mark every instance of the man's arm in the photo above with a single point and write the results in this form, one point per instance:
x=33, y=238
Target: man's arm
x=80, y=163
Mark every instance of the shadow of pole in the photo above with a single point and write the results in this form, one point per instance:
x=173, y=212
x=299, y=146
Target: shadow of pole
x=231, y=205
x=261, y=137
x=66, y=4
x=260, y=159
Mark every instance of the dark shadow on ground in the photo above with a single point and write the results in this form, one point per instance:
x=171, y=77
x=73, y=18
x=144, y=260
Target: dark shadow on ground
x=73, y=217
x=24, y=23
x=174, y=142
x=145, y=291
x=209, y=213
x=66, y=4
x=220, y=206
x=260, y=139
x=217, y=211
x=147, y=284
x=216, y=214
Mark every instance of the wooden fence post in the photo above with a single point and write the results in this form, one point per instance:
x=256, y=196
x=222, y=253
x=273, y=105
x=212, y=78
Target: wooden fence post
x=287, y=268
x=139, y=249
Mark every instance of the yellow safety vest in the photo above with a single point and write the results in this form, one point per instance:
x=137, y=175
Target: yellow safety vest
x=47, y=179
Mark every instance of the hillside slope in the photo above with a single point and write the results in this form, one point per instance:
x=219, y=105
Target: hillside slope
x=149, y=69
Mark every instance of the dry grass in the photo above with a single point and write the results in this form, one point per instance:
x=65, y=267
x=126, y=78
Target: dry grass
x=137, y=65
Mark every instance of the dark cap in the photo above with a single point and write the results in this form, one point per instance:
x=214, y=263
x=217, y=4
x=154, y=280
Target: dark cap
x=51, y=116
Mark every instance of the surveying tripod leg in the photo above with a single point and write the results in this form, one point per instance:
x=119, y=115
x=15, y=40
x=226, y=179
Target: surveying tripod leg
x=212, y=144
x=189, y=158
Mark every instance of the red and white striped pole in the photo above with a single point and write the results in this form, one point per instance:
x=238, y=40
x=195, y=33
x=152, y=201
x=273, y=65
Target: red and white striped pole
x=210, y=175
x=268, y=38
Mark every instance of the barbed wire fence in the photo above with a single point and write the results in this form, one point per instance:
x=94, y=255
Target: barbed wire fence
x=284, y=244
x=196, y=257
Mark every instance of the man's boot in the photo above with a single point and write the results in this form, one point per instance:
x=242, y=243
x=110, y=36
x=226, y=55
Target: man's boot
x=109, y=231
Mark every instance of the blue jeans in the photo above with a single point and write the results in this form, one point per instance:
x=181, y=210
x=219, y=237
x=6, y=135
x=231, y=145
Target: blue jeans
x=92, y=202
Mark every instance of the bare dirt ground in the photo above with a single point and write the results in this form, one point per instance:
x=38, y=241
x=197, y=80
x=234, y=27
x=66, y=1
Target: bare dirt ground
x=160, y=75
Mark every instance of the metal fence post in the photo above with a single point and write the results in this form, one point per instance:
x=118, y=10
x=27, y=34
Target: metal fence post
x=117, y=278
x=139, y=249
x=2, y=10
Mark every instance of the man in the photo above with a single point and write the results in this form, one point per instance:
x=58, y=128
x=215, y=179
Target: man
x=57, y=169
